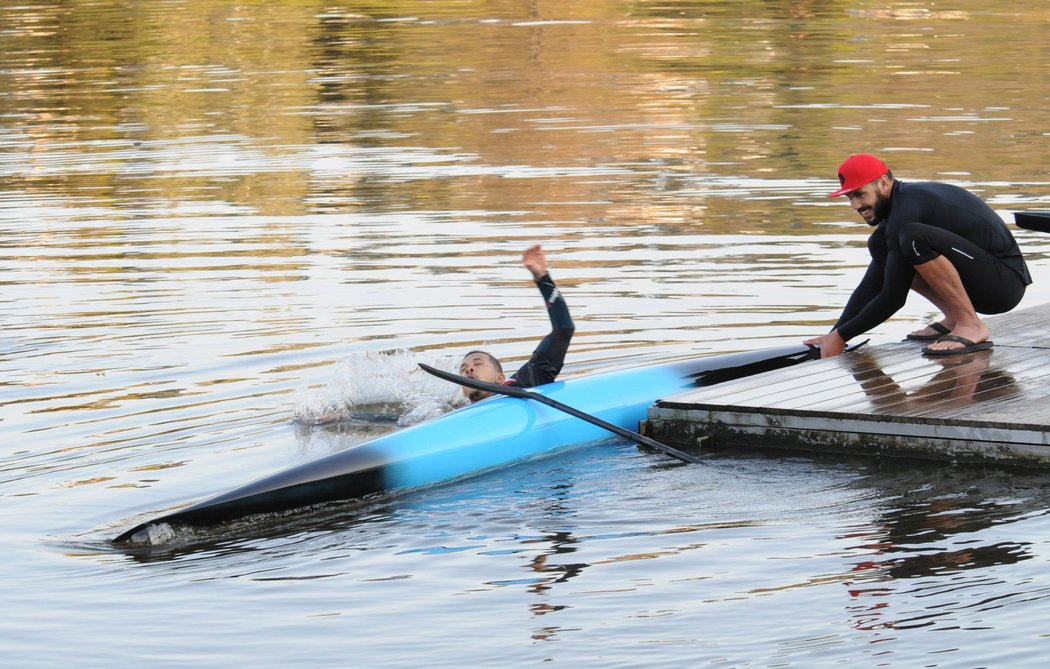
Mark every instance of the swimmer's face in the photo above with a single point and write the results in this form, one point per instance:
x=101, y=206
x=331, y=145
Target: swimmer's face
x=483, y=367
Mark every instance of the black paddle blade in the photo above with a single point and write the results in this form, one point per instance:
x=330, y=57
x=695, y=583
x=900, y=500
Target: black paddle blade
x=495, y=388
x=1033, y=220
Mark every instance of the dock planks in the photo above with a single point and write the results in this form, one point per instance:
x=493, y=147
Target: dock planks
x=988, y=407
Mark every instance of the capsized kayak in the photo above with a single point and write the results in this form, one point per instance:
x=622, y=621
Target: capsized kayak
x=512, y=390
x=473, y=439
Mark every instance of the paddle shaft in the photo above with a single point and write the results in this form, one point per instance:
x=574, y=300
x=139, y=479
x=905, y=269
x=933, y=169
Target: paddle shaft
x=515, y=391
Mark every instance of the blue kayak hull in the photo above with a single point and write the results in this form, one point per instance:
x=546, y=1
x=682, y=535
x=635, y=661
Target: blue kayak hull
x=473, y=439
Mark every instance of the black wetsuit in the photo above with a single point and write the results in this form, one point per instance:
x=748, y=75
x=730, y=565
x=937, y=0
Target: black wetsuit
x=927, y=220
x=547, y=360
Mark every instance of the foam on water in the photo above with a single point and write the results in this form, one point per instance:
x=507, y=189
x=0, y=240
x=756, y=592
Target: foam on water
x=381, y=384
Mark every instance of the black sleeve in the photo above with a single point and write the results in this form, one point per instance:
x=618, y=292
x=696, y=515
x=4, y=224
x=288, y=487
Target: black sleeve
x=547, y=360
x=864, y=293
x=877, y=297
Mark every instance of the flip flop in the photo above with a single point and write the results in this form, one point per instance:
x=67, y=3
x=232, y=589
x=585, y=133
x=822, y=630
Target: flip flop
x=936, y=327
x=968, y=346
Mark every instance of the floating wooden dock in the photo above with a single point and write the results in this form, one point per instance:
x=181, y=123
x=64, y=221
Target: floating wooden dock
x=986, y=407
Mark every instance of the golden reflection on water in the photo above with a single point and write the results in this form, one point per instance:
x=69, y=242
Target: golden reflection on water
x=623, y=111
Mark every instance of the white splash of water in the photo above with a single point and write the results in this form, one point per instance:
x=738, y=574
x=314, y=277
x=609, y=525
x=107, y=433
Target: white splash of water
x=381, y=384
x=154, y=535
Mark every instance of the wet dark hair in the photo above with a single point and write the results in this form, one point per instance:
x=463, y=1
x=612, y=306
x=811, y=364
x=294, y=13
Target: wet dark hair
x=492, y=358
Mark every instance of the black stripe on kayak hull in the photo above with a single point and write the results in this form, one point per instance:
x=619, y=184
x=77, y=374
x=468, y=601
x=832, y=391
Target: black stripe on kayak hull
x=750, y=364
x=270, y=499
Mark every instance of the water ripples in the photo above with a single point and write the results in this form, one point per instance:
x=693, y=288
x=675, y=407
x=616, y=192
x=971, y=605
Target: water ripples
x=227, y=234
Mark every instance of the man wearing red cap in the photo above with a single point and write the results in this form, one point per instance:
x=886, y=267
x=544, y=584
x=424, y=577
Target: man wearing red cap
x=939, y=240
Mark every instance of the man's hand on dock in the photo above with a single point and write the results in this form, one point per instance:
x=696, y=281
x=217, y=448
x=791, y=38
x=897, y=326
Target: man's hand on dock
x=830, y=344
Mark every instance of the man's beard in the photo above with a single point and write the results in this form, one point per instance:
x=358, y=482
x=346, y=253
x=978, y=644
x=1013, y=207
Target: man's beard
x=881, y=208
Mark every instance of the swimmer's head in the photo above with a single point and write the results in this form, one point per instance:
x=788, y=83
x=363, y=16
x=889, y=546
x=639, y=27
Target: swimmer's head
x=483, y=367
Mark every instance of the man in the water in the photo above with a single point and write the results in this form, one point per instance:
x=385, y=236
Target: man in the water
x=939, y=240
x=547, y=360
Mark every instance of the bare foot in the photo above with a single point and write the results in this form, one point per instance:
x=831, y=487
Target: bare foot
x=975, y=334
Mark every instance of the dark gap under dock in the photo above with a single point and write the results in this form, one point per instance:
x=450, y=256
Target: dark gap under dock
x=988, y=407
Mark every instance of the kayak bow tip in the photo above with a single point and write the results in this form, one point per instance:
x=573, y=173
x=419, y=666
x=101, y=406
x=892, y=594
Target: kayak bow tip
x=146, y=534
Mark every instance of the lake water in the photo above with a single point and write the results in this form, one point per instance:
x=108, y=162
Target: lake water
x=229, y=230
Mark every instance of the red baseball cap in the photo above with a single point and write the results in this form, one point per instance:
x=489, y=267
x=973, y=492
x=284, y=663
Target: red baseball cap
x=858, y=170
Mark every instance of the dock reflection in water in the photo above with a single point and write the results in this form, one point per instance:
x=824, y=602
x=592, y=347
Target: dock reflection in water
x=941, y=544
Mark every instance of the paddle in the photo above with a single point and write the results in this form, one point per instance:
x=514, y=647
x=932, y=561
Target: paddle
x=515, y=391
